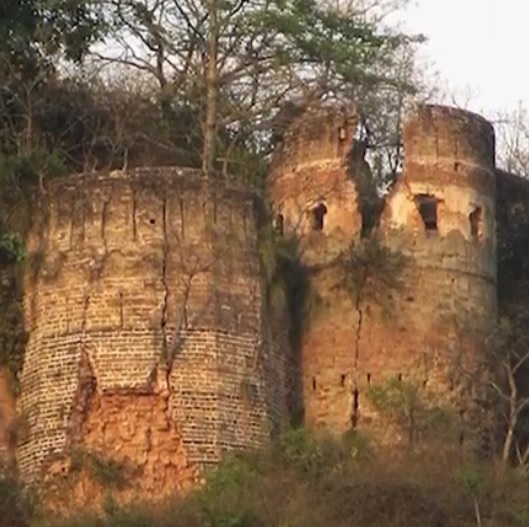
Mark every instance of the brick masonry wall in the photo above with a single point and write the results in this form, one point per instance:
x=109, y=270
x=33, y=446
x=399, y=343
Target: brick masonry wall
x=431, y=329
x=450, y=294
x=149, y=282
x=313, y=166
x=7, y=417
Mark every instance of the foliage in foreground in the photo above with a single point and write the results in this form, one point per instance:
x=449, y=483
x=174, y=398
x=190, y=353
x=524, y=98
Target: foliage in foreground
x=308, y=482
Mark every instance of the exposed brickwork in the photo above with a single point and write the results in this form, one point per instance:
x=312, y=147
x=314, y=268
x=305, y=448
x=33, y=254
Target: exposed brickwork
x=151, y=338
x=313, y=166
x=7, y=417
x=151, y=279
x=447, y=292
x=450, y=293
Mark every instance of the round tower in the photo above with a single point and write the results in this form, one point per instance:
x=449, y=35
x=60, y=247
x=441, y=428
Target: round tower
x=440, y=217
x=143, y=303
x=316, y=203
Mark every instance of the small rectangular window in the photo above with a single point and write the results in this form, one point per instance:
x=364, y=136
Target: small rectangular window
x=427, y=205
x=317, y=215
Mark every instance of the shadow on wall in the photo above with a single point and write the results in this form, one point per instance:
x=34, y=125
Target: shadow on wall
x=370, y=205
x=291, y=301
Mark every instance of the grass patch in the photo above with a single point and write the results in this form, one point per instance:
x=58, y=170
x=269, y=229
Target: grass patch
x=309, y=481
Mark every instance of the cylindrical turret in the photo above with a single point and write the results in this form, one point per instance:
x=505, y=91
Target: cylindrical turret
x=143, y=303
x=312, y=190
x=441, y=217
x=316, y=202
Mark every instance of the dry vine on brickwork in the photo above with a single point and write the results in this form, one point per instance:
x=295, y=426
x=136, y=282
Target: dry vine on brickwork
x=405, y=403
x=288, y=279
x=371, y=271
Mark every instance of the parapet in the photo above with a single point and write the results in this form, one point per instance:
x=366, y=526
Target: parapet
x=455, y=140
x=143, y=295
x=319, y=134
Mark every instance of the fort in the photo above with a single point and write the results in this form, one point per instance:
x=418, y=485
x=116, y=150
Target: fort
x=151, y=338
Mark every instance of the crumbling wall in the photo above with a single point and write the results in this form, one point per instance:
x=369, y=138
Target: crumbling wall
x=410, y=300
x=315, y=202
x=7, y=417
x=143, y=302
x=442, y=216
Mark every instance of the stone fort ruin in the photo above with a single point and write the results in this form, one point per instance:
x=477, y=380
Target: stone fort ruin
x=151, y=338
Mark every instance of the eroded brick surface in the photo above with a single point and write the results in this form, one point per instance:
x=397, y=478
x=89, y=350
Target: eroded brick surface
x=150, y=338
x=431, y=328
x=150, y=281
x=7, y=417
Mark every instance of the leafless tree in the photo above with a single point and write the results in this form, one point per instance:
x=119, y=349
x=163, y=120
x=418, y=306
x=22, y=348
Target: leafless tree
x=236, y=62
x=512, y=131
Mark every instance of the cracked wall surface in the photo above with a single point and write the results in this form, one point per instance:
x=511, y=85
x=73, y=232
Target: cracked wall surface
x=150, y=281
x=450, y=293
x=312, y=166
x=431, y=329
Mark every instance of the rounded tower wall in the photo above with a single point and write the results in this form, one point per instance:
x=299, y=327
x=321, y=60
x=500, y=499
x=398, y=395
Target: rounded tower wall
x=442, y=212
x=315, y=197
x=441, y=217
x=312, y=189
x=145, y=285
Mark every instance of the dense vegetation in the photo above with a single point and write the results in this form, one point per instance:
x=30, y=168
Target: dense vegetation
x=213, y=85
x=307, y=482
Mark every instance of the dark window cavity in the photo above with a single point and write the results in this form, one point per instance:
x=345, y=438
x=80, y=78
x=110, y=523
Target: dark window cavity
x=475, y=219
x=427, y=205
x=317, y=215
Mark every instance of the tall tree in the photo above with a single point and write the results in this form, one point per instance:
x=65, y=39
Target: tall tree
x=237, y=61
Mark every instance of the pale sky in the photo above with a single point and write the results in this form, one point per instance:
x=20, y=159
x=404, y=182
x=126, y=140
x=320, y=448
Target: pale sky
x=478, y=47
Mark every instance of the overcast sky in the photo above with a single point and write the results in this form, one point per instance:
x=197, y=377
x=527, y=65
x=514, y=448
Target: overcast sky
x=478, y=47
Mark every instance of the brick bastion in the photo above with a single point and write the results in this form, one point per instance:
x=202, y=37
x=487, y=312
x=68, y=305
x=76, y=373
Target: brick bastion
x=424, y=321
x=148, y=342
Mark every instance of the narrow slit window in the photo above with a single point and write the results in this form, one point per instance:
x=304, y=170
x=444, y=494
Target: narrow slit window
x=356, y=408
x=280, y=224
x=427, y=206
x=475, y=219
x=317, y=217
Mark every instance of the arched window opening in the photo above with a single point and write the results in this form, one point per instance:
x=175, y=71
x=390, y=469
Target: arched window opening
x=280, y=224
x=317, y=215
x=475, y=219
x=427, y=205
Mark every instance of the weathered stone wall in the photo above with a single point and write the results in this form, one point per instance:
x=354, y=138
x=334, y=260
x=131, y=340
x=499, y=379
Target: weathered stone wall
x=313, y=169
x=311, y=183
x=144, y=306
x=428, y=327
x=442, y=216
x=7, y=417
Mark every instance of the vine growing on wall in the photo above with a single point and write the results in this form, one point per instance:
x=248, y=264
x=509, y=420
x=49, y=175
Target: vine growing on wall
x=288, y=279
x=369, y=270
